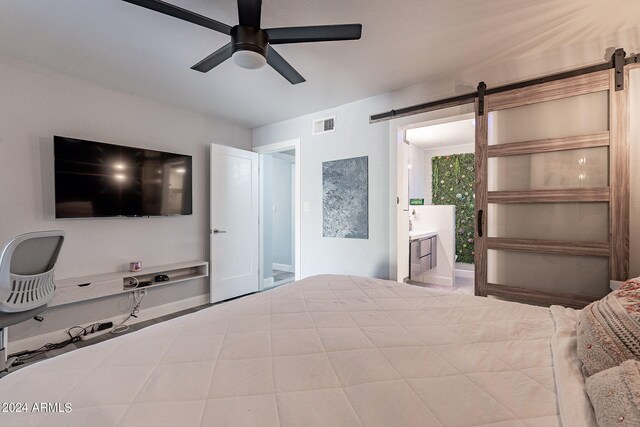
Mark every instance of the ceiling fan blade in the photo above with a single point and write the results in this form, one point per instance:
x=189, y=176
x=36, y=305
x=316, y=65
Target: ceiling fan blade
x=180, y=13
x=319, y=33
x=249, y=12
x=216, y=58
x=283, y=67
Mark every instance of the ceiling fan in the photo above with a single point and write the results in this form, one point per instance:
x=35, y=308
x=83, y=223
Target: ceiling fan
x=250, y=45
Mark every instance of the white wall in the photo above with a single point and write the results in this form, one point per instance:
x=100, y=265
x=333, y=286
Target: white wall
x=36, y=104
x=417, y=174
x=353, y=137
x=282, y=214
x=266, y=164
x=277, y=246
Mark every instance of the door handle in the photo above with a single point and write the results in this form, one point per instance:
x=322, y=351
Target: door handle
x=216, y=231
x=480, y=222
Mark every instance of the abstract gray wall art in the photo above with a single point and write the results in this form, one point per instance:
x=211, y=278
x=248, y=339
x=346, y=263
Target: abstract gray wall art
x=345, y=198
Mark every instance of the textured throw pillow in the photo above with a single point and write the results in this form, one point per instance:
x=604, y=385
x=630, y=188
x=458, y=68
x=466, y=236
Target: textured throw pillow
x=609, y=329
x=615, y=395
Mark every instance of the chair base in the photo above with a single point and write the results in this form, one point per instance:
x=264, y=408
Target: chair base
x=5, y=363
x=7, y=319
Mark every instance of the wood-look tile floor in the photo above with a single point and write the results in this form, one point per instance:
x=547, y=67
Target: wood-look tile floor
x=462, y=286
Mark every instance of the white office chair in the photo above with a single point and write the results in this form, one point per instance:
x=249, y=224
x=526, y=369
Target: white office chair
x=26, y=280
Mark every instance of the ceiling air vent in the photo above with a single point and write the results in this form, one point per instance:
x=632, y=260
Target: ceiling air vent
x=325, y=125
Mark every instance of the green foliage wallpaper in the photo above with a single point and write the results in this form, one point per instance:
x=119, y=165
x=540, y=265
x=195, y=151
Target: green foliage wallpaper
x=453, y=183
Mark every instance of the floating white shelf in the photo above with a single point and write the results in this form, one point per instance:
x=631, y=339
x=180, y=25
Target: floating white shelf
x=101, y=285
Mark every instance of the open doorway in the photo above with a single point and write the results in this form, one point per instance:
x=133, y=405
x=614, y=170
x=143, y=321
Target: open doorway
x=279, y=213
x=438, y=165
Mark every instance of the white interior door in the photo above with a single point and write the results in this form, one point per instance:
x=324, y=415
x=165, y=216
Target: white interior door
x=234, y=222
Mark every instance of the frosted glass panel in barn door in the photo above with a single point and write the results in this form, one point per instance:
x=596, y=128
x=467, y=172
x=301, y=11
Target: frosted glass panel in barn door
x=546, y=226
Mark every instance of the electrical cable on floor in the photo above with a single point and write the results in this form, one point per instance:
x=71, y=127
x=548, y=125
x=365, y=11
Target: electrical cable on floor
x=121, y=327
x=23, y=356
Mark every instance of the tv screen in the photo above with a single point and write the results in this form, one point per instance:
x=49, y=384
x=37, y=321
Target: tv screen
x=93, y=179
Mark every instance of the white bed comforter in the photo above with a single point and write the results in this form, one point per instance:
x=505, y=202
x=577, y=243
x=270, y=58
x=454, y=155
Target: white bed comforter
x=324, y=351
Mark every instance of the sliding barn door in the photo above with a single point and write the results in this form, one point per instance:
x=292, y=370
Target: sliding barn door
x=552, y=195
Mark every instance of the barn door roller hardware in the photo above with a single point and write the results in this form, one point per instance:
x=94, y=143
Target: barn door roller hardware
x=482, y=87
x=618, y=65
x=618, y=61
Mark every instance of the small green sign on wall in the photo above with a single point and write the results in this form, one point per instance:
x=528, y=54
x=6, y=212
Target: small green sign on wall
x=453, y=183
x=416, y=202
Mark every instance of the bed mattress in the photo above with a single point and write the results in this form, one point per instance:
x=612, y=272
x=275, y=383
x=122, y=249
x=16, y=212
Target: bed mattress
x=324, y=351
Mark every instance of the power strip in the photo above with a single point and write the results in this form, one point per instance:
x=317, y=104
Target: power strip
x=94, y=335
x=103, y=328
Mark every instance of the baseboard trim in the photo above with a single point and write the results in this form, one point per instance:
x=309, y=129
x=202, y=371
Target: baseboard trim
x=437, y=280
x=464, y=274
x=267, y=283
x=441, y=280
x=144, y=315
x=283, y=267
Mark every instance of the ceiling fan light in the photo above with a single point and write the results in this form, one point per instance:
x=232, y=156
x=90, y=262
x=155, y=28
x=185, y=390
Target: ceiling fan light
x=249, y=59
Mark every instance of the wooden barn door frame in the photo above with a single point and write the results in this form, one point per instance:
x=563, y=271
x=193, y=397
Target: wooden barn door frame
x=616, y=194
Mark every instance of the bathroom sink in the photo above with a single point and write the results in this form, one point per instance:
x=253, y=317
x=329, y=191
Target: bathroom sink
x=418, y=234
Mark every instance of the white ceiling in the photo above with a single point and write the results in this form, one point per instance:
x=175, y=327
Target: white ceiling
x=443, y=134
x=405, y=42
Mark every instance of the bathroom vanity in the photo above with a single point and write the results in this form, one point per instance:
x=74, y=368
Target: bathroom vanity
x=423, y=255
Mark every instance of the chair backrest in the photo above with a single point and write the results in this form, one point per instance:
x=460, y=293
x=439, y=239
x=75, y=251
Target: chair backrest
x=26, y=270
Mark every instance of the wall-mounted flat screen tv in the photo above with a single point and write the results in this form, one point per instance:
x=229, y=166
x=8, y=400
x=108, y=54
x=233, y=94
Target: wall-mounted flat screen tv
x=94, y=179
